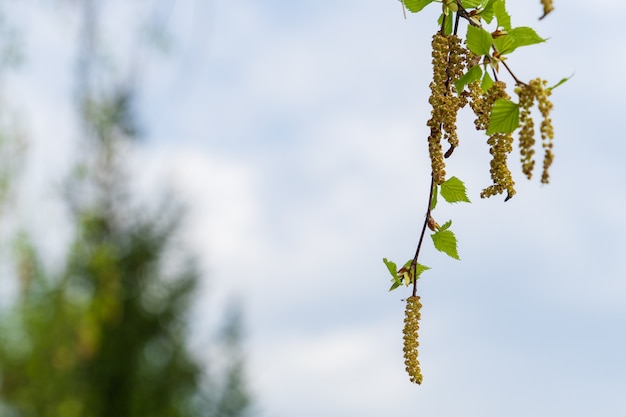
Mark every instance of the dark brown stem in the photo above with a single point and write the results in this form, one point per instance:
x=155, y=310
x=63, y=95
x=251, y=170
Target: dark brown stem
x=465, y=15
x=462, y=12
x=419, y=244
x=457, y=18
x=517, y=80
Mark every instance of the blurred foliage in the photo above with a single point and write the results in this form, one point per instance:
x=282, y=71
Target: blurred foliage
x=105, y=338
x=107, y=335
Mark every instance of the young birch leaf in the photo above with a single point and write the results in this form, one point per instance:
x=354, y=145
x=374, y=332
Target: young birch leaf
x=445, y=241
x=563, y=80
x=453, y=191
x=502, y=16
x=487, y=82
x=416, y=5
x=504, y=117
x=516, y=37
x=487, y=13
x=478, y=40
x=505, y=44
x=448, y=26
x=391, y=266
x=473, y=74
x=433, y=202
x=469, y=4
x=419, y=268
x=524, y=36
x=446, y=225
x=447, y=29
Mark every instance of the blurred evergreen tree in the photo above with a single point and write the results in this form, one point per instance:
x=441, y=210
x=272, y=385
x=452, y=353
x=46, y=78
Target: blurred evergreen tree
x=107, y=337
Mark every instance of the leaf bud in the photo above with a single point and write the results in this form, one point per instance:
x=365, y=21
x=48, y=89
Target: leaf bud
x=452, y=5
x=432, y=224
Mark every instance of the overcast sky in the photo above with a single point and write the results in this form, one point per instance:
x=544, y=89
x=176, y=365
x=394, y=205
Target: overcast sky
x=296, y=132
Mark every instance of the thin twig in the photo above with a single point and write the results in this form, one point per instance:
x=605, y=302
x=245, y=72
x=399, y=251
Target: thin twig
x=456, y=23
x=419, y=244
x=517, y=80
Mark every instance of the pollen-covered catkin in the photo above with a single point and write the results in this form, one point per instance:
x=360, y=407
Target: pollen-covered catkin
x=500, y=144
x=453, y=102
x=448, y=59
x=526, y=95
x=411, y=328
x=547, y=131
x=477, y=104
x=529, y=93
x=481, y=102
x=437, y=100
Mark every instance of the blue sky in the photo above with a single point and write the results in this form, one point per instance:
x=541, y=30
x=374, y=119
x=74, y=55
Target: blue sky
x=296, y=133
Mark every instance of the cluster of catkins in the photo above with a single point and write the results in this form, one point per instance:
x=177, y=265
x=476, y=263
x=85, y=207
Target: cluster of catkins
x=529, y=93
x=450, y=59
x=411, y=328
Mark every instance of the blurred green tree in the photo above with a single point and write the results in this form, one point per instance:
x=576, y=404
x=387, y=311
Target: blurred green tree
x=108, y=335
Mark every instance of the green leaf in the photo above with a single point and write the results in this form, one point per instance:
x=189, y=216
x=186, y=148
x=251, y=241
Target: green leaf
x=505, y=44
x=563, y=80
x=416, y=5
x=448, y=26
x=487, y=82
x=445, y=241
x=393, y=270
x=453, y=191
x=516, y=37
x=433, y=202
x=503, y=18
x=395, y=285
x=478, y=40
x=504, y=117
x=468, y=4
x=419, y=268
x=473, y=74
x=487, y=13
x=446, y=225
x=391, y=266
x=397, y=281
x=525, y=36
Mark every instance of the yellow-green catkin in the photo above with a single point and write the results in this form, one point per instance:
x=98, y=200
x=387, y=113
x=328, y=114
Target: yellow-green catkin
x=500, y=145
x=411, y=328
x=454, y=102
x=436, y=100
x=448, y=59
x=477, y=103
x=529, y=93
x=481, y=101
x=542, y=95
x=527, y=130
